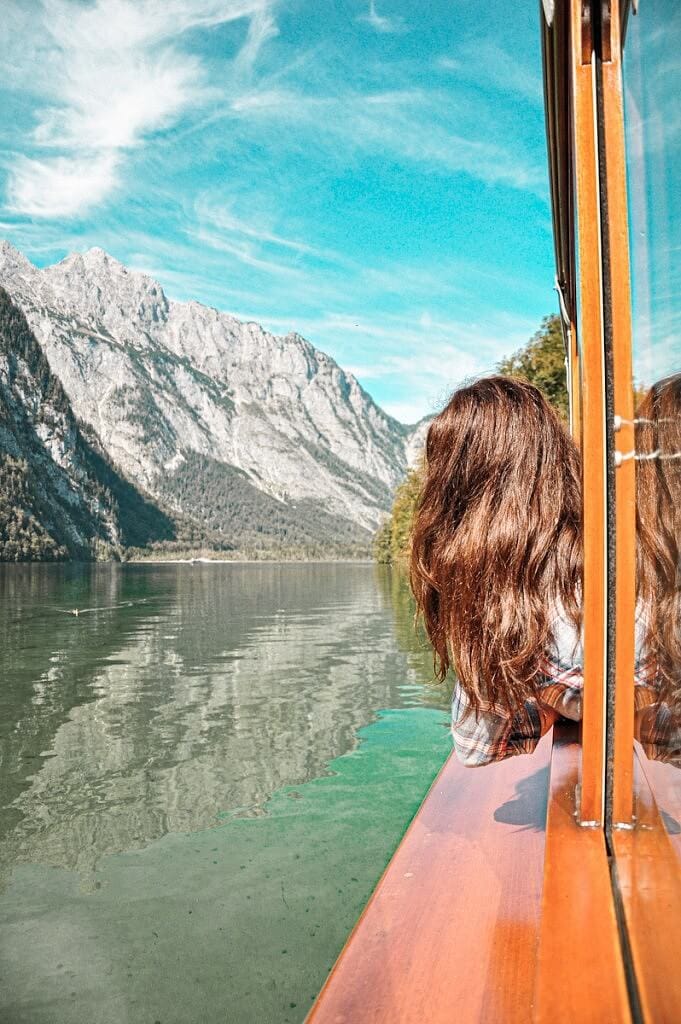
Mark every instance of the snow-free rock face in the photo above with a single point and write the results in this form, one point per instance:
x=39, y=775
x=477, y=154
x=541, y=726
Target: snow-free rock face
x=173, y=388
x=59, y=495
x=416, y=442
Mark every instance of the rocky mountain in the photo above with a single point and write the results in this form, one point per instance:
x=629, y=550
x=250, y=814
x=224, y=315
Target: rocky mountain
x=59, y=494
x=416, y=441
x=257, y=440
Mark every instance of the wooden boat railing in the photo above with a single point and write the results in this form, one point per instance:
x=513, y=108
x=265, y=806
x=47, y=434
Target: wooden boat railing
x=461, y=927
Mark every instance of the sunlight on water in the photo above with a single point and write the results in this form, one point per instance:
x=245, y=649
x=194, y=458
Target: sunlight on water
x=198, y=790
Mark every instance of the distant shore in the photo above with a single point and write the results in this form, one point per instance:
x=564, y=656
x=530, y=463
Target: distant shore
x=331, y=560
x=248, y=561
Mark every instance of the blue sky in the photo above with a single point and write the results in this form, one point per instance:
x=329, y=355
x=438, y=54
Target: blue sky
x=370, y=174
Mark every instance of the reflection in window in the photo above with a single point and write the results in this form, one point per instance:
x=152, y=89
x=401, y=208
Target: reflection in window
x=652, y=81
x=658, y=478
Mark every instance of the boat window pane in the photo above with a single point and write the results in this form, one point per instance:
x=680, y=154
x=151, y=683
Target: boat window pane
x=652, y=82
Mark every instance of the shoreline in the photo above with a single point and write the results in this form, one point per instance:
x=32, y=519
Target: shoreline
x=201, y=561
x=246, y=561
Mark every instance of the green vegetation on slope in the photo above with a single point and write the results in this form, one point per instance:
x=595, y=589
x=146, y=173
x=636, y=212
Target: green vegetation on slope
x=391, y=542
x=542, y=362
x=23, y=538
x=230, y=515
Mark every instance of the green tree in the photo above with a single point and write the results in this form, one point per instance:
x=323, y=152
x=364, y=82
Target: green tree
x=382, y=539
x=542, y=362
x=404, y=510
x=392, y=539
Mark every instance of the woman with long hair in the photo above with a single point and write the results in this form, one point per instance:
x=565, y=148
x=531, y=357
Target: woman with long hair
x=658, y=527
x=496, y=565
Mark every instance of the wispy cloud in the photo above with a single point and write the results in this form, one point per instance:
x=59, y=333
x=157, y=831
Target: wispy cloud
x=486, y=63
x=243, y=250
x=223, y=219
x=416, y=124
x=109, y=76
x=262, y=28
x=380, y=22
x=253, y=241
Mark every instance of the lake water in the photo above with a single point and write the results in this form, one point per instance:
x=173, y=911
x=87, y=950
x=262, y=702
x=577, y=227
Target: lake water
x=204, y=774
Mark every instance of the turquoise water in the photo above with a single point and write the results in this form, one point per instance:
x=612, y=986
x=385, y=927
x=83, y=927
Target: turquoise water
x=203, y=779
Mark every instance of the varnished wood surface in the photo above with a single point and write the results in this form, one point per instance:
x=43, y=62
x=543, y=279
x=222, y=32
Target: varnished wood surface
x=592, y=416
x=649, y=882
x=580, y=971
x=664, y=781
x=451, y=931
x=625, y=475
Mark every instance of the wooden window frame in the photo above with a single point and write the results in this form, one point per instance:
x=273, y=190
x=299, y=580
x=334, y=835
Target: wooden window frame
x=593, y=433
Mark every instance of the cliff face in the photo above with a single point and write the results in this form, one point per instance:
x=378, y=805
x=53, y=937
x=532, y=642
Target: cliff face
x=59, y=495
x=172, y=388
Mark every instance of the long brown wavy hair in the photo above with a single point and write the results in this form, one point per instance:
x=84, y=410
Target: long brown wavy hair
x=658, y=526
x=497, y=539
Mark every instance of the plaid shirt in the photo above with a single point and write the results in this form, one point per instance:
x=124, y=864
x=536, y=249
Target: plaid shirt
x=657, y=723
x=483, y=734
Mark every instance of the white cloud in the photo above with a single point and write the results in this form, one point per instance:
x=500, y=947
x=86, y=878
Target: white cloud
x=379, y=22
x=61, y=186
x=282, y=102
x=108, y=75
x=254, y=241
x=243, y=250
x=115, y=107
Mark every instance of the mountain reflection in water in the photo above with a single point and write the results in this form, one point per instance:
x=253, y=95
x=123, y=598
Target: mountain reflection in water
x=181, y=694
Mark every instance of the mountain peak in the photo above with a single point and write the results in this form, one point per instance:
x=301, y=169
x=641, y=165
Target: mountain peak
x=116, y=287
x=10, y=256
x=7, y=247
x=93, y=259
x=98, y=255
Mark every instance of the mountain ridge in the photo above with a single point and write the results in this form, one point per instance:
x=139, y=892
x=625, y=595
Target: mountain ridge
x=171, y=386
x=60, y=497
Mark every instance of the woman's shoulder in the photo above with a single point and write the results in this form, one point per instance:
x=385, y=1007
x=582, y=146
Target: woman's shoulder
x=567, y=648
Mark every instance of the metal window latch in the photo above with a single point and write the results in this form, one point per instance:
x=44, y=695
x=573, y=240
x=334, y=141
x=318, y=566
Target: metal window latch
x=587, y=32
x=562, y=305
x=606, y=42
x=599, y=35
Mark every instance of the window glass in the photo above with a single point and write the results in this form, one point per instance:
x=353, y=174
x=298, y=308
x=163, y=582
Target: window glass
x=652, y=82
